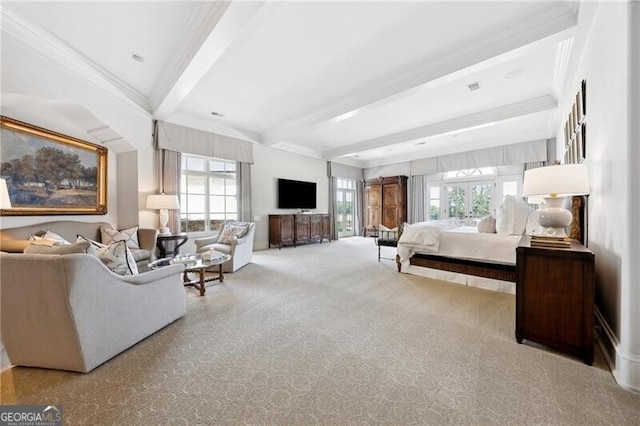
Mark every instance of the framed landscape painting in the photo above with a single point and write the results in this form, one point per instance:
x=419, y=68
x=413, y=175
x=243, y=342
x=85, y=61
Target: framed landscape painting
x=51, y=174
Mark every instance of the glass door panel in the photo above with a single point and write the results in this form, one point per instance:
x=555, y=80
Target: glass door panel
x=469, y=201
x=457, y=201
x=345, y=200
x=481, y=194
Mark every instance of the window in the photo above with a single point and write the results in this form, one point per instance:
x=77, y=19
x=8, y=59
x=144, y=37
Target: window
x=434, y=202
x=208, y=193
x=345, y=199
x=470, y=173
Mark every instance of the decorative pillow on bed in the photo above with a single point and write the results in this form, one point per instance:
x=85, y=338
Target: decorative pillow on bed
x=129, y=236
x=487, y=225
x=511, y=216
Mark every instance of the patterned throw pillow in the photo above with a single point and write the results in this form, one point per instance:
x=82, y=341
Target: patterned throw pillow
x=116, y=256
x=48, y=238
x=129, y=236
x=233, y=231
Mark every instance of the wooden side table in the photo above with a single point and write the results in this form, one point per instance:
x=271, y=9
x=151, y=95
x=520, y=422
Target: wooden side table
x=169, y=245
x=555, y=297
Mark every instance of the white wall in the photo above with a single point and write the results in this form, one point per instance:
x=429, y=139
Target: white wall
x=611, y=158
x=36, y=89
x=271, y=164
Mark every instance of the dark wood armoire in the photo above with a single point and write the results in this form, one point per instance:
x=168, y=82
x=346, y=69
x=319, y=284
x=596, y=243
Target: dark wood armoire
x=385, y=202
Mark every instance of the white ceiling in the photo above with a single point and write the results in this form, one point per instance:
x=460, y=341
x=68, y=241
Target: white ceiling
x=364, y=83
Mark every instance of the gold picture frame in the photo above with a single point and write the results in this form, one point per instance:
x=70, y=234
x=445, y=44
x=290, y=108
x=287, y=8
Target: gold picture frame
x=48, y=173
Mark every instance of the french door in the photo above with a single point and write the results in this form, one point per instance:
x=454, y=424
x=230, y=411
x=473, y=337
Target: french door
x=346, y=201
x=469, y=201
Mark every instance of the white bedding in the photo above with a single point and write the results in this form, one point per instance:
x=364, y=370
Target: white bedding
x=462, y=242
x=442, y=238
x=423, y=236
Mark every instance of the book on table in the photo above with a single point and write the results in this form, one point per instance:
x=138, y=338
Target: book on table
x=550, y=241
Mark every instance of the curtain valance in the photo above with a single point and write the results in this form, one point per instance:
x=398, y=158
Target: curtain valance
x=193, y=141
x=514, y=154
x=344, y=171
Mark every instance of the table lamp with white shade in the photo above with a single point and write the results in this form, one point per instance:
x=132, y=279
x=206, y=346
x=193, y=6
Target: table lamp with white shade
x=163, y=203
x=554, y=183
x=5, y=201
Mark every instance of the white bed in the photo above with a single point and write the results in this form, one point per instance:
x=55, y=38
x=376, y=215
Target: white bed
x=450, y=241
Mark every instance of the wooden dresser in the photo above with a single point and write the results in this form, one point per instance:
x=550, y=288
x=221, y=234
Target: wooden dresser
x=385, y=201
x=294, y=229
x=555, y=297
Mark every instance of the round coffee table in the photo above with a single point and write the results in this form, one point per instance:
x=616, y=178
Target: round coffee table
x=200, y=267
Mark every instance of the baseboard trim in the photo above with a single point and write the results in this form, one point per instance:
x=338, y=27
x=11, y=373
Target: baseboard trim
x=625, y=366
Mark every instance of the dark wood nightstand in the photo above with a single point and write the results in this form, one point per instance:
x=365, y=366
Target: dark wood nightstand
x=169, y=245
x=555, y=296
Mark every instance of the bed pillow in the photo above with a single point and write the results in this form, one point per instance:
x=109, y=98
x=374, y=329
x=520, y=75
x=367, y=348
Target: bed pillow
x=129, y=236
x=511, y=216
x=504, y=220
x=487, y=225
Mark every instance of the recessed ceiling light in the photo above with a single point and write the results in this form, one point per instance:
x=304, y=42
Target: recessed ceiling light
x=474, y=86
x=217, y=114
x=136, y=57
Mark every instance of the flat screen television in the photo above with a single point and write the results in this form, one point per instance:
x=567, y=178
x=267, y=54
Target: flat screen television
x=296, y=194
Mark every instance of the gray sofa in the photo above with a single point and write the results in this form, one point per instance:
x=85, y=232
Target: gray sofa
x=71, y=312
x=14, y=240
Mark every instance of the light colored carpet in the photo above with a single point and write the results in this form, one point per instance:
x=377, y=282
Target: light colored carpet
x=324, y=334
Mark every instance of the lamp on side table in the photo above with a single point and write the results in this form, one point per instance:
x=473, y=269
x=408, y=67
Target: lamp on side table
x=163, y=203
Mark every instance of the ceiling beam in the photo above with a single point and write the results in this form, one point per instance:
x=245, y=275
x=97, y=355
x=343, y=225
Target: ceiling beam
x=551, y=22
x=505, y=112
x=216, y=26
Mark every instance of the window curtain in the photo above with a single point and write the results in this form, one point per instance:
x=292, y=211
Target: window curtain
x=207, y=144
x=417, y=201
x=333, y=206
x=359, y=225
x=343, y=171
x=244, y=191
x=169, y=167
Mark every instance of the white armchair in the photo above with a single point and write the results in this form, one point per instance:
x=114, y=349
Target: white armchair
x=240, y=249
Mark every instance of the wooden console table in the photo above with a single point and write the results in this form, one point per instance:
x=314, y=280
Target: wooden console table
x=294, y=229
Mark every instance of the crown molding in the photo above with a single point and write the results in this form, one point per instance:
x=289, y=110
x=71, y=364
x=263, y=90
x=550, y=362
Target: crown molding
x=54, y=48
x=517, y=109
x=523, y=33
